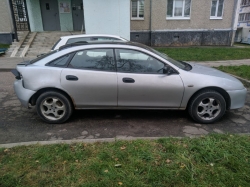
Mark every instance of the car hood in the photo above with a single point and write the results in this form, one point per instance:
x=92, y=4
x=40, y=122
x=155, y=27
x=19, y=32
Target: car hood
x=204, y=70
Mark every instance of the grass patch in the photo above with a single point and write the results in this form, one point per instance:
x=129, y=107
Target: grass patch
x=206, y=54
x=214, y=160
x=241, y=71
x=4, y=45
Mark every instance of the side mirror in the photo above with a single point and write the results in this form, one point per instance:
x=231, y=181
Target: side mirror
x=166, y=70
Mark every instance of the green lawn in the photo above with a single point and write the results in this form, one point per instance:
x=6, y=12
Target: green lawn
x=4, y=45
x=241, y=71
x=206, y=54
x=214, y=160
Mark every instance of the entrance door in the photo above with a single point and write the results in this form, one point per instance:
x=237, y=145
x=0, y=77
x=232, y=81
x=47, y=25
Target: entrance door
x=50, y=15
x=78, y=16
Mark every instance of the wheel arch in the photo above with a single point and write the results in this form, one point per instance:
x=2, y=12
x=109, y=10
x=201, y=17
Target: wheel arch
x=219, y=90
x=34, y=97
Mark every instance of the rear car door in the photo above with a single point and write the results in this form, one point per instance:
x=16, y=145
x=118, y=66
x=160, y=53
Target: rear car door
x=142, y=83
x=91, y=78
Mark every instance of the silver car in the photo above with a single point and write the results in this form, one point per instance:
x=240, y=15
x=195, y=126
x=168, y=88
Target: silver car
x=123, y=75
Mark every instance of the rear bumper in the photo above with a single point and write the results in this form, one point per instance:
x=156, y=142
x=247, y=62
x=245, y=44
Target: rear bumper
x=238, y=98
x=23, y=94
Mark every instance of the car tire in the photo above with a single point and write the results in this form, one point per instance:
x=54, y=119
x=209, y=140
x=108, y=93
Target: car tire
x=54, y=107
x=207, y=106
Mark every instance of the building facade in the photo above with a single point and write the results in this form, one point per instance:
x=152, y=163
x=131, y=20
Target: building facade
x=6, y=24
x=185, y=22
x=243, y=30
x=152, y=22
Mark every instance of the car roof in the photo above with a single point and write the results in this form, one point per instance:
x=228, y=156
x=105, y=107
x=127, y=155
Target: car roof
x=89, y=35
x=126, y=43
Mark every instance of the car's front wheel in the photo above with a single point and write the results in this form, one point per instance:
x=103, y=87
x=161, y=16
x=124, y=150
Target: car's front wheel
x=207, y=106
x=53, y=107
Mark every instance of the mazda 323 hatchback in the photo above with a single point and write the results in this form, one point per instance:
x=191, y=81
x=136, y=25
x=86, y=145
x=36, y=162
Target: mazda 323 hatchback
x=123, y=75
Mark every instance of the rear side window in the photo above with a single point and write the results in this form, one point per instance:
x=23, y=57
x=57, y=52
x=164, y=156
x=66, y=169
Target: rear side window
x=94, y=59
x=74, y=40
x=60, y=62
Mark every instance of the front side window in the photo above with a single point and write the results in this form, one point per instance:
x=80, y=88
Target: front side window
x=137, y=9
x=132, y=61
x=178, y=8
x=94, y=59
x=217, y=9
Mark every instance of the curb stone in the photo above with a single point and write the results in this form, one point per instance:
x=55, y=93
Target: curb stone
x=11, y=145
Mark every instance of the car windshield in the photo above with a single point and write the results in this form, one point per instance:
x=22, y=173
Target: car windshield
x=42, y=56
x=179, y=64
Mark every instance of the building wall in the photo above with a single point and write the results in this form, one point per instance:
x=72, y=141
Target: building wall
x=243, y=31
x=35, y=17
x=198, y=30
x=6, y=27
x=107, y=17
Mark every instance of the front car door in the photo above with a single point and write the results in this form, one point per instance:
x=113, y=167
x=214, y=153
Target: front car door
x=91, y=79
x=142, y=83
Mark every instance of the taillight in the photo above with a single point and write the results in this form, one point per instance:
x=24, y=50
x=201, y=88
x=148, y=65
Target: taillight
x=17, y=74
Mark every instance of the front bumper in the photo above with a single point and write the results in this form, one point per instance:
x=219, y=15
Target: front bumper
x=238, y=98
x=23, y=94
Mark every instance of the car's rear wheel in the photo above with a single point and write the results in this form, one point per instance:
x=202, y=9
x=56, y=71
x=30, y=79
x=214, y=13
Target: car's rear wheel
x=207, y=106
x=53, y=107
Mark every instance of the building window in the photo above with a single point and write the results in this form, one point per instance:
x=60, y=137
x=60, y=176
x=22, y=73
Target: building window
x=137, y=9
x=217, y=9
x=241, y=17
x=244, y=17
x=245, y=2
x=178, y=9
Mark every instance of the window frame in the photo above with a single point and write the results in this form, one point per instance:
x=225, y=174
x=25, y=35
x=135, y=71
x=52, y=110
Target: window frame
x=244, y=17
x=216, y=11
x=138, y=10
x=245, y=3
x=75, y=52
x=183, y=12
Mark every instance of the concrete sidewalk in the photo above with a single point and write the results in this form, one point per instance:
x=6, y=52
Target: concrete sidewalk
x=7, y=63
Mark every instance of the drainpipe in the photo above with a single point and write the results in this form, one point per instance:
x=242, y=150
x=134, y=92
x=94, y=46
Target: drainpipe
x=150, y=23
x=235, y=19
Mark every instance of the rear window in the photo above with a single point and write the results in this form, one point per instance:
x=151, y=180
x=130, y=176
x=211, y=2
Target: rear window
x=53, y=48
x=74, y=40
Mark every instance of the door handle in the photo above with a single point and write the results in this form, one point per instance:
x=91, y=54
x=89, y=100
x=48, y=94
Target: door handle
x=71, y=78
x=128, y=80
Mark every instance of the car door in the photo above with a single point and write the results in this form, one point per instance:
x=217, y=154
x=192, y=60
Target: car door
x=91, y=78
x=142, y=83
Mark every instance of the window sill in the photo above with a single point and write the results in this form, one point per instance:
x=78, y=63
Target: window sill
x=178, y=18
x=138, y=19
x=216, y=18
